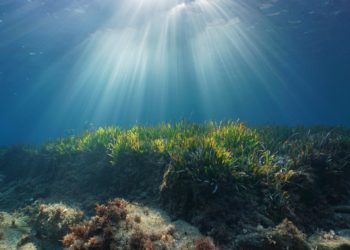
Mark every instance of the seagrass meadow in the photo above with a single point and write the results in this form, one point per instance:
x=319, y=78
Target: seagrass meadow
x=219, y=186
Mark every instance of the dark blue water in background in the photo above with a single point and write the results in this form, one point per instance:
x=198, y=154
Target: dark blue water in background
x=66, y=66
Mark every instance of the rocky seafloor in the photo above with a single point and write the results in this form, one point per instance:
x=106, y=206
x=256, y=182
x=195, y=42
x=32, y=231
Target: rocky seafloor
x=181, y=186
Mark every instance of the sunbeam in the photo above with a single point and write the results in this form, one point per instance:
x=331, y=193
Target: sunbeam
x=147, y=61
x=201, y=56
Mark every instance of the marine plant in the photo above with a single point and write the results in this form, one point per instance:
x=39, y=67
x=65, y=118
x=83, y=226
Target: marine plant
x=112, y=229
x=98, y=232
x=225, y=154
x=207, y=172
x=204, y=243
x=53, y=221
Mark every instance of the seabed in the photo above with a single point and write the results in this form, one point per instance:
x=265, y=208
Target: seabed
x=179, y=186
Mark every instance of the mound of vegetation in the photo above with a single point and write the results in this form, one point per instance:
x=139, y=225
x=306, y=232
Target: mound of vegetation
x=224, y=178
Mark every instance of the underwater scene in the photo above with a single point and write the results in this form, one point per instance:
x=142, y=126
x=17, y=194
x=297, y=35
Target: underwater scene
x=175, y=124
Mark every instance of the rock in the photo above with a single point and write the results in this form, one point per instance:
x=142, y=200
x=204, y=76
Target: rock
x=283, y=236
x=329, y=235
x=53, y=221
x=18, y=237
x=28, y=246
x=337, y=243
x=24, y=240
x=259, y=228
x=152, y=232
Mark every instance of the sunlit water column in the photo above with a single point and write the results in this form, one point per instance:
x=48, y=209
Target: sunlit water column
x=161, y=60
